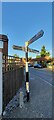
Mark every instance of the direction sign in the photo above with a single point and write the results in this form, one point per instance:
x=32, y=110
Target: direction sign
x=23, y=49
x=18, y=47
x=32, y=50
x=37, y=36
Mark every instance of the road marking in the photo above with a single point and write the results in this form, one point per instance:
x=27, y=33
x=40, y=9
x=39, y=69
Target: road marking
x=46, y=81
x=32, y=78
x=42, y=80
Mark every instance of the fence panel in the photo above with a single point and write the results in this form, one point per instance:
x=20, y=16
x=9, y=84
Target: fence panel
x=13, y=77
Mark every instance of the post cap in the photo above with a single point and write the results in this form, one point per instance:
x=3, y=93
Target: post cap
x=26, y=43
x=3, y=38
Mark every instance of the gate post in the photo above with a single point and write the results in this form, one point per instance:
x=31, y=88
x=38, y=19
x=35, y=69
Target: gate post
x=1, y=80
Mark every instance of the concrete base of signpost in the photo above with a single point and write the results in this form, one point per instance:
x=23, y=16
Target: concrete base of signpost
x=21, y=102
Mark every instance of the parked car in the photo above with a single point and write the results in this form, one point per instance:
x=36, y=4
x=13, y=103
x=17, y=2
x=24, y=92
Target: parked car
x=37, y=66
x=49, y=65
x=30, y=65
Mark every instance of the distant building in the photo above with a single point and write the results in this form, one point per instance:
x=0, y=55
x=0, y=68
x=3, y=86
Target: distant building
x=41, y=59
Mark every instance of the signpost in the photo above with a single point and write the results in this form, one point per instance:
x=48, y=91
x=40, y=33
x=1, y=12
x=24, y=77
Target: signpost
x=27, y=49
x=33, y=50
x=18, y=47
x=37, y=36
x=24, y=49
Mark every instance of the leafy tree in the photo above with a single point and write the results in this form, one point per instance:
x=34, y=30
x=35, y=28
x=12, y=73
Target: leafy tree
x=43, y=52
x=15, y=55
x=47, y=53
x=29, y=58
x=38, y=56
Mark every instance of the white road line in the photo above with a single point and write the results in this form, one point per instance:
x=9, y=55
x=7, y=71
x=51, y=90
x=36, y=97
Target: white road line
x=32, y=78
x=44, y=81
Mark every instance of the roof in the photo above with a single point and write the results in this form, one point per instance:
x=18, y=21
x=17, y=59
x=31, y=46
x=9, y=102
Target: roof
x=3, y=38
x=41, y=59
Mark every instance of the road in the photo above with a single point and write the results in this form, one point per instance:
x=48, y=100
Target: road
x=40, y=104
x=43, y=74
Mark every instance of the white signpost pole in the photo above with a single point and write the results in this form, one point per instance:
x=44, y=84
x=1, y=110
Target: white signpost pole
x=27, y=72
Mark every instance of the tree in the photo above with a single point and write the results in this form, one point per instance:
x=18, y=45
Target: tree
x=38, y=56
x=15, y=55
x=29, y=58
x=43, y=52
x=47, y=53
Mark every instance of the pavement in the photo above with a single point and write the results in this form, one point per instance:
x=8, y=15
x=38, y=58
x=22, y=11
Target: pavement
x=40, y=103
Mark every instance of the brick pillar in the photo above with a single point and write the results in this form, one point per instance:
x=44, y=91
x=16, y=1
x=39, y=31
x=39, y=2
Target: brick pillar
x=1, y=80
x=4, y=38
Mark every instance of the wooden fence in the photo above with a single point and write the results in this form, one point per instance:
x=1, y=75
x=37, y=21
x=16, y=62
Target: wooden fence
x=11, y=63
x=13, y=77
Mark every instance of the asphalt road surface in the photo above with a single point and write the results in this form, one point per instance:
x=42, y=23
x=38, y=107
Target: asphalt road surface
x=40, y=104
